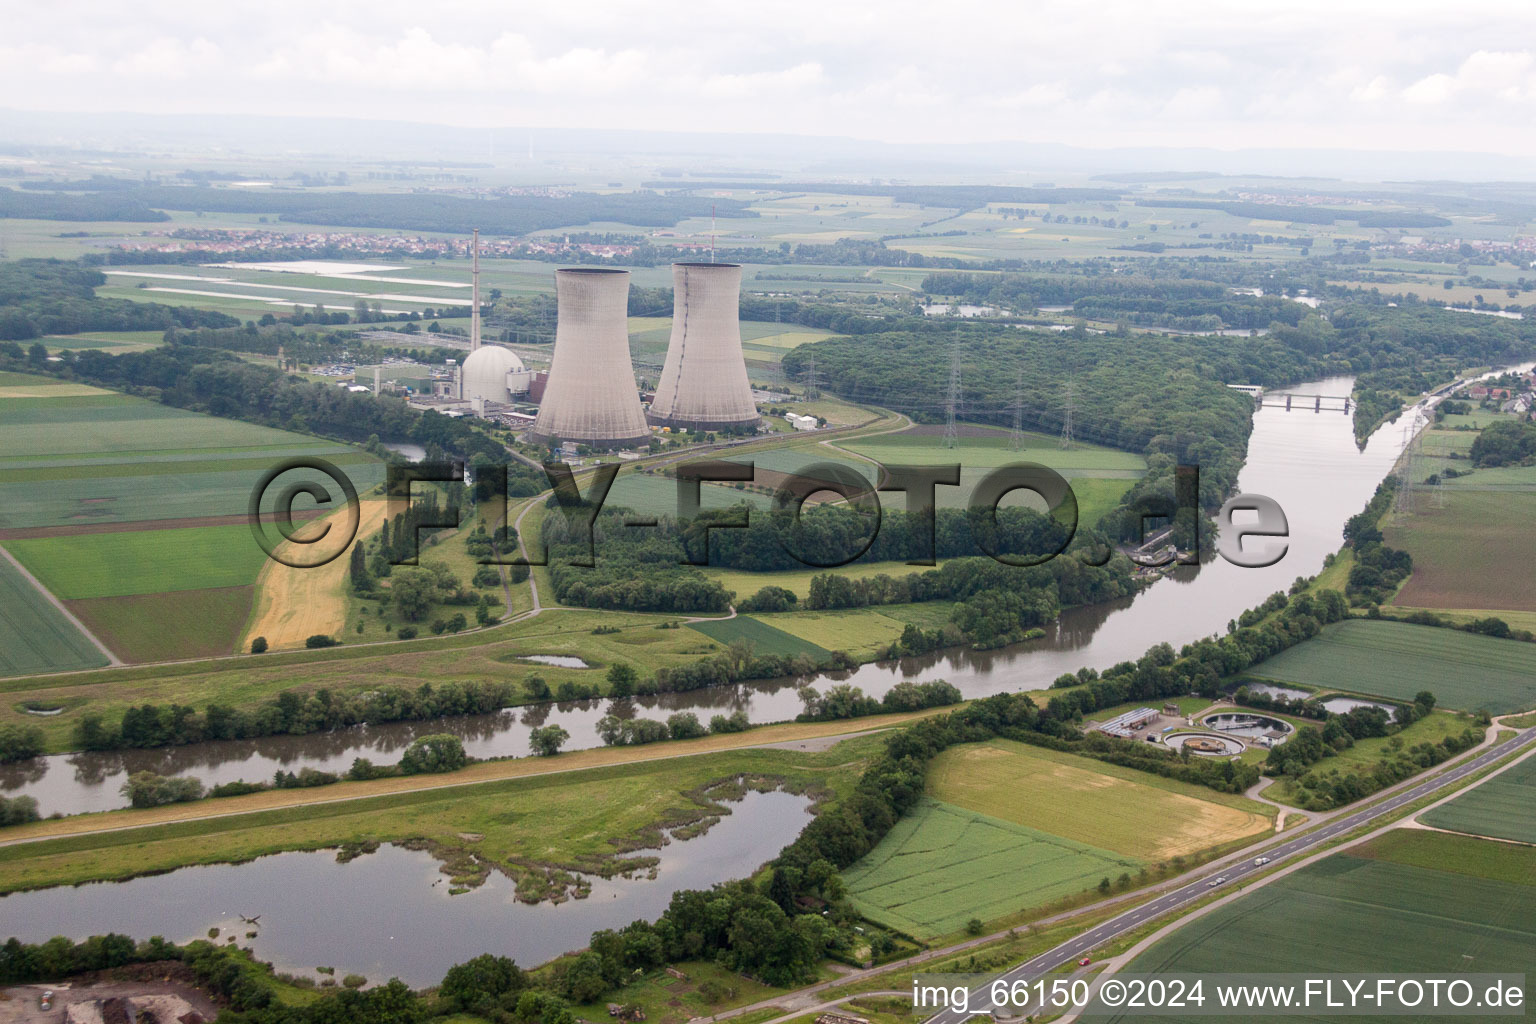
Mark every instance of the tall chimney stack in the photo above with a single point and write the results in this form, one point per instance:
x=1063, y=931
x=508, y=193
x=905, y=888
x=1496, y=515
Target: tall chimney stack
x=474, y=312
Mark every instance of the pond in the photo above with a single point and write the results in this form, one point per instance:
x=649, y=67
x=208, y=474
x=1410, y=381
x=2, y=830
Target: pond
x=1275, y=691
x=1344, y=705
x=1252, y=726
x=388, y=913
x=556, y=660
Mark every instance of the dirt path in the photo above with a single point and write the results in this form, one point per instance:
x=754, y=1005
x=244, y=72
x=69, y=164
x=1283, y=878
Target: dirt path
x=294, y=604
x=112, y=659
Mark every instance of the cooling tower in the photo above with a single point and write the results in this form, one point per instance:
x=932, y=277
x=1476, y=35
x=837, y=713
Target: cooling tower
x=704, y=382
x=590, y=397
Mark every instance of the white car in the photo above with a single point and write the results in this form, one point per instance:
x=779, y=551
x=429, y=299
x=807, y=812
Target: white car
x=1213, y=883
x=1259, y=861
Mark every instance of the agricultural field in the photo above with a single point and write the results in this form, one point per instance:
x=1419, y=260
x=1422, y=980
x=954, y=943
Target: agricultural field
x=1006, y=827
x=862, y=632
x=942, y=865
x=1397, y=660
x=126, y=508
x=764, y=638
x=1099, y=476
x=1406, y=902
x=1504, y=807
x=126, y=562
x=1130, y=812
x=1472, y=551
x=34, y=635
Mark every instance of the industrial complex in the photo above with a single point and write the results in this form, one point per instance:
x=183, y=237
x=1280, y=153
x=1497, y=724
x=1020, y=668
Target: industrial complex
x=589, y=396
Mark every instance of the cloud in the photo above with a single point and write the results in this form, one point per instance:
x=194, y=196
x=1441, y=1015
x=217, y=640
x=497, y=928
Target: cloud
x=1217, y=72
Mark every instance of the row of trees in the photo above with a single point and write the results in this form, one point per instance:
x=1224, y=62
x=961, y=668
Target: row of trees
x=291, y=712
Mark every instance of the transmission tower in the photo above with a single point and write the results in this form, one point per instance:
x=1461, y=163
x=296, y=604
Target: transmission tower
x=952, y=403
x=1066, y=419
x=812, y=385
x=1016, y=439
x=1405, y=487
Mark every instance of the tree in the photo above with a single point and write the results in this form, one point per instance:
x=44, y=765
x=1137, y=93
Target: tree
x=478, y=985
x=413, y=589
x=259, y=645
x=622, y=679
x=974, y=926
x=441, y=752
x=546, y=741
x=19, y=742
x=146, y=789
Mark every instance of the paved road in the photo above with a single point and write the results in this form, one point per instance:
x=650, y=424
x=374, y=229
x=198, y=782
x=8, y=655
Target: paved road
x=1223, y=878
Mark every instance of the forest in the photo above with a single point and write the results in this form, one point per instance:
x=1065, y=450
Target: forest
x=498, y=215
x=39, y=297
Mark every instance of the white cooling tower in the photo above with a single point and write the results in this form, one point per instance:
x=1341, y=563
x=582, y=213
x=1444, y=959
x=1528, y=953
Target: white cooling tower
x=591, y=397
x=704, y=382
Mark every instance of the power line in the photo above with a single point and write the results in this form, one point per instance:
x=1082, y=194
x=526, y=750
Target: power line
x=1016, y=439
x=951, y=434
x=1405, y=485
x=1066, y=420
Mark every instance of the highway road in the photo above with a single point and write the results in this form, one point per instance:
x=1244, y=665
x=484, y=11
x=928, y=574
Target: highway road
x=980, y=1000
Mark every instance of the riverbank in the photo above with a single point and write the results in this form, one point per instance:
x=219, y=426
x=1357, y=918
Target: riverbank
x=474, y=775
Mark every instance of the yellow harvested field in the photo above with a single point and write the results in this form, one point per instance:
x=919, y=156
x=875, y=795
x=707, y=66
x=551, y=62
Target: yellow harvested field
x=292, y=605
x=1093, y=803
x=50, y=391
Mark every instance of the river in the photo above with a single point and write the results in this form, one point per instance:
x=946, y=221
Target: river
x=389, y=913
x=1307, y=461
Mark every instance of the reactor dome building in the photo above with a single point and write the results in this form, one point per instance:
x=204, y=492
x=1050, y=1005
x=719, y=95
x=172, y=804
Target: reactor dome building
x=704, y=383
x=590, y=397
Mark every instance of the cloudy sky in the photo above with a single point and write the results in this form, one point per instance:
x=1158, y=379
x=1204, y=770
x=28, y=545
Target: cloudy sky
x=1383, y=75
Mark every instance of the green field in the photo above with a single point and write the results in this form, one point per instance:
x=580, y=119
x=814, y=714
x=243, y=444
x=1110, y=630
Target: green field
x=1408, y=902
x=34, y=636
x=1504, y=807
x=1091, y=802
x=942, y=865
x=765, y=639
x=862, y=632
x=1396, y=659
x=110, y=458
x=176, y=624
x=1475, y=549
x=141, y=561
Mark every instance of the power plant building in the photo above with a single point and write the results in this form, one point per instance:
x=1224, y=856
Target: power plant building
x=704, y=384
x=490, y=373
x=590, y=397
